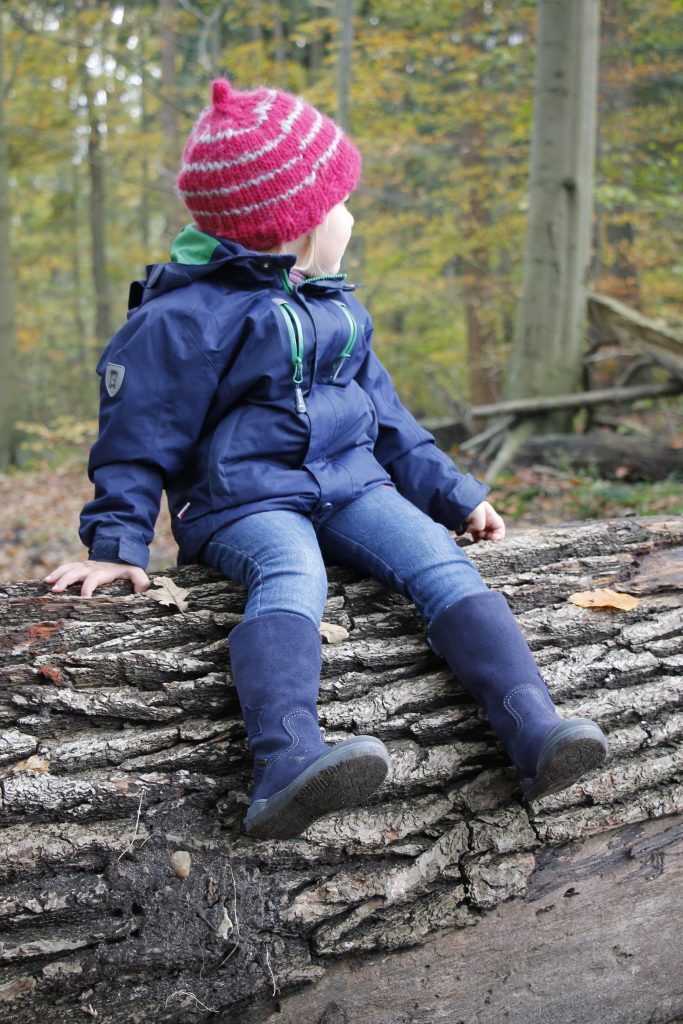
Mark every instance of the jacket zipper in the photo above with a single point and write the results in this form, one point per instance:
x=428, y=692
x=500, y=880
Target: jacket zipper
x=296, y=341
x=289, y=287
x=348, y=347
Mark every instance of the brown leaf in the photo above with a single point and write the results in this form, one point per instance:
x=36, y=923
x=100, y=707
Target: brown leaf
x=35, y=763
x=333, y=634
x=169, y=594
x=601, y=598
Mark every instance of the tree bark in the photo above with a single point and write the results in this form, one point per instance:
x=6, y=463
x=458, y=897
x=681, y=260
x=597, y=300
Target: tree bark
x=548, y=341
x=8, y=354
x=122, y=744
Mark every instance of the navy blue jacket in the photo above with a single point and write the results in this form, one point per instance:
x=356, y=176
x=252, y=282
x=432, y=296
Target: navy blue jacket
x=239, y=393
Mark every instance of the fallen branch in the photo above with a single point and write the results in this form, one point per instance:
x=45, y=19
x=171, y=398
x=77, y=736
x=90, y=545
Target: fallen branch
x=600, y=396
x=615, y=321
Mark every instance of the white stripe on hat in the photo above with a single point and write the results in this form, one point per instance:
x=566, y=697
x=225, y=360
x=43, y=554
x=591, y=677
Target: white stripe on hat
x=267, y=175
x=308, y=180
x=261, y=110
x=220, y=165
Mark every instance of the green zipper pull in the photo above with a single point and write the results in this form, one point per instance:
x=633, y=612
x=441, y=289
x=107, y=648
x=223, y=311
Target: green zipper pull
x=348, y=347
x=296, y=341
x=298, y=381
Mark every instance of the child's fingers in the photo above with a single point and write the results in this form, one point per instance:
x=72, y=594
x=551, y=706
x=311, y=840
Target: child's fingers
x=98, y=577
x=140, y=580
x=497, y=531
x=94, y=575
x=59, y=571
x=71, y=574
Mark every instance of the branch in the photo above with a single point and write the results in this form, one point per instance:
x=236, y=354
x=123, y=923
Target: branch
x=601, y=396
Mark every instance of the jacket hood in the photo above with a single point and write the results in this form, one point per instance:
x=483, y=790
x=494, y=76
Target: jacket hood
x=196, y=255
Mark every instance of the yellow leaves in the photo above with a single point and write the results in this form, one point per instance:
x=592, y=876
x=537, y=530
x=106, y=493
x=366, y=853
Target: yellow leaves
x=602, y=598
x=35, y=763
x=169, y=593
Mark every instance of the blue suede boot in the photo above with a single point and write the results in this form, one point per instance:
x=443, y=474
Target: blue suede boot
x=481, y=641
x=276, y=661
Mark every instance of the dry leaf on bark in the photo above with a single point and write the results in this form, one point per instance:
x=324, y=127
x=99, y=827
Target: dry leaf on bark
x=333, y=634
x=169, y=593
x=602, y=598
x=34, y=763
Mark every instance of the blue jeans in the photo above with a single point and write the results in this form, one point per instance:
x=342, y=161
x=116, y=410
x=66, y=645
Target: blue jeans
x=280, y=556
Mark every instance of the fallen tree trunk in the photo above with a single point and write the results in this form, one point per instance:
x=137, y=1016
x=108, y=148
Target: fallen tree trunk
x=610, y=455
x=123, y=745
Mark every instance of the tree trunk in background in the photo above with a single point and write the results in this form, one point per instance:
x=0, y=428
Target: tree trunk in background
x=477, y=275
x=617, y=269
x=82, y=354
x=174, y=212
x=346, y=12
x=8, y=356
x=549, y=333
x=144, y=204
x=122, y=743
x=279, y=41
x=97, y=213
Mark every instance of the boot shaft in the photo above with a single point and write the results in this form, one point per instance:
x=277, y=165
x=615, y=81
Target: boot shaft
x=275, y=661
x=482, y=643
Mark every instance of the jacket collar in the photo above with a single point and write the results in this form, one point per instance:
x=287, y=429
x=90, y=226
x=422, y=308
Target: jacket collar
x=196, y=255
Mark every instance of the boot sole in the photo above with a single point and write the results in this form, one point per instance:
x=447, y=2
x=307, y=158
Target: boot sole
x=572, y=749
x=346, y=776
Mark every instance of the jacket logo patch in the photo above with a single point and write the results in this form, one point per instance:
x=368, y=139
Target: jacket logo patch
x=113, y=378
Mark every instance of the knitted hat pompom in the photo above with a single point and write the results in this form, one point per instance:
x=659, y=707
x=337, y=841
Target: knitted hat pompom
x=264, y=167
x=221, y=93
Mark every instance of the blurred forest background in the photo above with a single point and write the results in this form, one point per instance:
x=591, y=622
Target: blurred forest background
x=98, y=99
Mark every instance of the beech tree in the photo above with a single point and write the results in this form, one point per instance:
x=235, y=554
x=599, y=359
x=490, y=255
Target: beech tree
x=549, y=331
x=7, y=331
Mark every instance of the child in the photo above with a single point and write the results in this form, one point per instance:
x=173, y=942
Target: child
x=245, y=384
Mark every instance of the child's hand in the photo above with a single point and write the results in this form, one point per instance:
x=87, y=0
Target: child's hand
x=484, y=523
x=95, y=574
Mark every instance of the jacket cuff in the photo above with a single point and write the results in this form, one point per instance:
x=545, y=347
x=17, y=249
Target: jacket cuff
x=120, y=549
x=464, y=498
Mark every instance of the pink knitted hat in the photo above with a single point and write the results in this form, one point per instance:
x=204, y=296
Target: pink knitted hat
x=264, y=167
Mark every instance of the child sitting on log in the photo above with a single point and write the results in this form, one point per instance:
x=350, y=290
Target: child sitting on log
x=244, y=383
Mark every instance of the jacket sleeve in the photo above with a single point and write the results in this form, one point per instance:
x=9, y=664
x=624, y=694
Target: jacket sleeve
x=421, y=472
x=148, y=428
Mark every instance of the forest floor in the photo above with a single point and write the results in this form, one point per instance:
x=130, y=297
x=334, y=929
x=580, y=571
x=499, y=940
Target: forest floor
x=42, y=501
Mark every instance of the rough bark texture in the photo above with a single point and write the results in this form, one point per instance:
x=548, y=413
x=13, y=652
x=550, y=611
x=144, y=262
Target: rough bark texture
x=470, y=905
